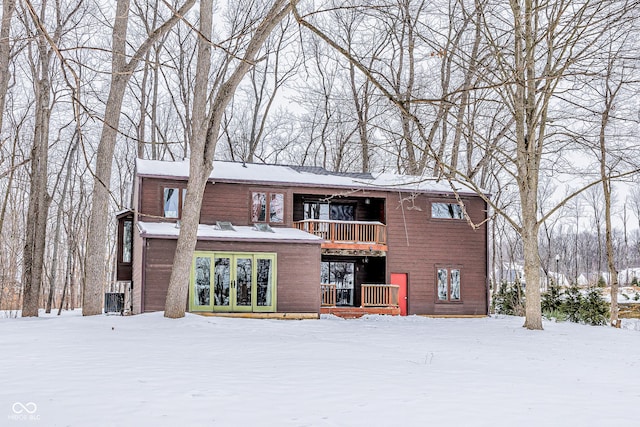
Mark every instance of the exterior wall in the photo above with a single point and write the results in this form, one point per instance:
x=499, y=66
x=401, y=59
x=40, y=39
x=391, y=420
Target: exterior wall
x=221, y=202
x=232, y=202
x=429, y=243
x=417, y=244
x=298, y=271
x=137, y=273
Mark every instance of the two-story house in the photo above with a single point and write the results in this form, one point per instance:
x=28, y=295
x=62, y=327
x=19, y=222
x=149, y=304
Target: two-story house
x=302, y=240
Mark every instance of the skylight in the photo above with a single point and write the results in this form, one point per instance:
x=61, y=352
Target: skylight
x=225, y=226
x=265, y=228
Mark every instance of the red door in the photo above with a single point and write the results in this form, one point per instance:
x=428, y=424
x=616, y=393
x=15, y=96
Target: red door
x=400, y=279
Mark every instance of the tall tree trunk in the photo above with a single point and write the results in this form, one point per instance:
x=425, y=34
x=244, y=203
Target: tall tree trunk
x=199, y=170
x=609, y=98
x=529, y=151
x=56, y=235
x=96, y=254
x=8, y=6
x=204, y=143
x=36, y=226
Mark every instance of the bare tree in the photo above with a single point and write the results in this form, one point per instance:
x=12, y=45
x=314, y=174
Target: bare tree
x=39, y=198
x=8, y=7
x=206, y=128
x=121, y=71
x=534, y=48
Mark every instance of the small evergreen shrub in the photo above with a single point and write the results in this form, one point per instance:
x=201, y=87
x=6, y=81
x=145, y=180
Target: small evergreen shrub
x=573, y=306
x=601, y=282
x=552, y=299
x=594, y=310
x=634, y=281
x=558, y=315
x=509, y=299
x=571, y=303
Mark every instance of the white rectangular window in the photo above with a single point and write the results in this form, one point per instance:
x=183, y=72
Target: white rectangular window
x=446, y=210
x=258, y=207
x=448, y=284
x=171, y=202
x=267, y=207
x=276, y=207
x=127, y=229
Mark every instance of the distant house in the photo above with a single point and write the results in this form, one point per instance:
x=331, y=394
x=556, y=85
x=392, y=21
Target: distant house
x=290, y=239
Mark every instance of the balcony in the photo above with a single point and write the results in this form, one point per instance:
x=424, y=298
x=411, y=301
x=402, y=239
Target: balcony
x=366, y=236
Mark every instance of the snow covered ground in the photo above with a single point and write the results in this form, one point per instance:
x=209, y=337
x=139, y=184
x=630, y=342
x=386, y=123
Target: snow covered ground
x=378, y=371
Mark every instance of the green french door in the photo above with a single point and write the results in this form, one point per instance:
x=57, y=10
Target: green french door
x=233, y=282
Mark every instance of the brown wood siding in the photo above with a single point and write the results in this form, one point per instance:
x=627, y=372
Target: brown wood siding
x=298, y=271
x=221, y=202
x=151, y=193
x=418, y=244
x=136, y=276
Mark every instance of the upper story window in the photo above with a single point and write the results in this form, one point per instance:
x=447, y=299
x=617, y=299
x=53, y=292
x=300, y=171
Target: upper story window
x=448, y=284
x=446, y=210
x=267, y=207
x=127, y=230
x=173, y=202
x=331, y=211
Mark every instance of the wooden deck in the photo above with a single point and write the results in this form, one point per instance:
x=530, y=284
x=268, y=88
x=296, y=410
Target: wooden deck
x=355, y=312
x=279, y=316
x=376, y=299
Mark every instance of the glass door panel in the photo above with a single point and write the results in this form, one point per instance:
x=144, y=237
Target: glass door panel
x=264, y=282
x=230, y=282
x=201, y=295
x=222, y=281
x=243, y=282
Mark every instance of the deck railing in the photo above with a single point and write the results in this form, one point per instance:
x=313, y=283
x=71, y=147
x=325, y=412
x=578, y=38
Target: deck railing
x=345, y=231
x=379, y=295
x=328, y=295
x=373, y=295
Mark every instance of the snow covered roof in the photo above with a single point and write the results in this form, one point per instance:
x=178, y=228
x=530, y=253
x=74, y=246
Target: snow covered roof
x=224, y=171
x=212, y=232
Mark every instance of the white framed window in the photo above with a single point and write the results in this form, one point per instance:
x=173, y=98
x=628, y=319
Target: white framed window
x=448, y=284
x=173, y=202
x=446, y=210
x=267, y=207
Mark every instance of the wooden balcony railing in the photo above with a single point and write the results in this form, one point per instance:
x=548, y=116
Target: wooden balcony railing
x=379, y=295
x=372, y=295
x=328, y=295
x=346, y=231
